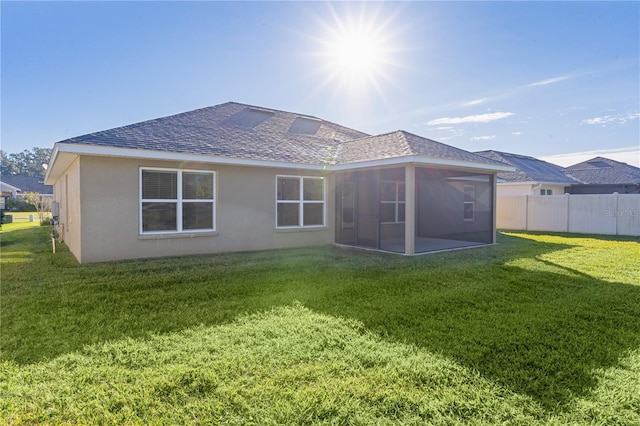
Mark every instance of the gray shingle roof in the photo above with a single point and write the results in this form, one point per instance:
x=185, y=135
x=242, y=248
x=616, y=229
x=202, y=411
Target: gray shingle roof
x=27, y=183
x=247, y=132
x=604, y=171
x=529, y=169
x=228, y=130
x=401, y=144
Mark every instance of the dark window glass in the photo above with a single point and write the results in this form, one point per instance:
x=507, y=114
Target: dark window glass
x=313, y=214
x=400, y=212
x=288, y=188
x=159, y=217
x=159, y=185
x=288, y=214
x=313, y=189
x=197, y=186
x=468, y=211
x=197, y=216
x=387, y=212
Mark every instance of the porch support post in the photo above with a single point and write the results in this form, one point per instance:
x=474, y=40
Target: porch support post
x=410, y=209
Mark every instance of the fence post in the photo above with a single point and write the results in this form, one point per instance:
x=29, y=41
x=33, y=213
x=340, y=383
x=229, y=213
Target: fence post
x=526, y=212
x=616, y=204
x=568, y=197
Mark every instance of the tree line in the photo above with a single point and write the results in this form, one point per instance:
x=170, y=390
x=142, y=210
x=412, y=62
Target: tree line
x=27, y=162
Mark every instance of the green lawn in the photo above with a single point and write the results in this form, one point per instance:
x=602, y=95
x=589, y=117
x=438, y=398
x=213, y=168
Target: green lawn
x=540, y=329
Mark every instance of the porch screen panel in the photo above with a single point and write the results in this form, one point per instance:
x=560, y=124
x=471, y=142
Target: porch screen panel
x=455, y=209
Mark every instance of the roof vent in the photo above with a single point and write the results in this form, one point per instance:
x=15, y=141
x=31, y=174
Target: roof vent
x=305, y=126
x=248, y=118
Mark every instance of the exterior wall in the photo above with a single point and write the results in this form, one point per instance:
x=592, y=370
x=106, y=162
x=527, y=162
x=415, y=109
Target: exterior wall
x=506, y=189
x=603, y=189
x=609, y=214
x=245, y=212
x=66, y=191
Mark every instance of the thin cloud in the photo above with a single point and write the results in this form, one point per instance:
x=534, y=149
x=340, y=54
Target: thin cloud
x=516, y=133
x=548, y=81
x=475, y=102
x=609, y=119
x=480, y=118
x=483, y=138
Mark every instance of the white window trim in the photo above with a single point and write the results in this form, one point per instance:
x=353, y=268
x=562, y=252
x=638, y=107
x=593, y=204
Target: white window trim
x=301, y=202
x=397, y=202
x=473, y=203
x=178, y=201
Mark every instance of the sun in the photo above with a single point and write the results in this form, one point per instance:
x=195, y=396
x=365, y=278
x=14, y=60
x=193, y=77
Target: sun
x=357, y=54
x=357, y=48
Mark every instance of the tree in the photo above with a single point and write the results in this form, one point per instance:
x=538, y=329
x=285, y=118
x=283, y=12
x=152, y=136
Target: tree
x=27, y=162
x=42, y=204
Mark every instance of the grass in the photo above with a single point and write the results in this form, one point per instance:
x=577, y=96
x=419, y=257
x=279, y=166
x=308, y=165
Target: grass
x=540, y=329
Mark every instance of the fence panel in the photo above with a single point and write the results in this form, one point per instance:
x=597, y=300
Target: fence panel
x=588, y=214
x=628, y=214
x=609, y=214
x=547, y=213
x=512, y=213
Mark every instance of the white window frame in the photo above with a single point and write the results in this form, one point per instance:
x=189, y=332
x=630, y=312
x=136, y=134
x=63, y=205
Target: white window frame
x=301, y=202
x=396, y=201
x=178, y=201
x=546, y=192
x=472, y=203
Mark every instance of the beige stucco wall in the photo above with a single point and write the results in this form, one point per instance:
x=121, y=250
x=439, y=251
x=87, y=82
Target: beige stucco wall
x=245, y=212
x=66, y=192
x=508, y=190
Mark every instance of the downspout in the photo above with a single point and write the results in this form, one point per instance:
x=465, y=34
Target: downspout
x=534, y=187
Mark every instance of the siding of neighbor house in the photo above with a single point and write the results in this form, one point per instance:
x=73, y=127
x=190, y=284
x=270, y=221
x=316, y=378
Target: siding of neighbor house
x=527, y=189
x=109, y=197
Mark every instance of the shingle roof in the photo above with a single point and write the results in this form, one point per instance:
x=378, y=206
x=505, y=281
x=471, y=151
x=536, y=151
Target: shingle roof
x=529, y=169
x=27, y=183
x=604, y=171
x=253, y=133
x=400, y=144
x=230, y=130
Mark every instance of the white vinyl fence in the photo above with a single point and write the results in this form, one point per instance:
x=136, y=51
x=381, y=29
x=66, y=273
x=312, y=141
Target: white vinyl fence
x=610, y=214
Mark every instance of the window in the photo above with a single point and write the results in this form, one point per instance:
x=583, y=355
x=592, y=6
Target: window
x=392, y=202
x=299, y=201
x=176, y=201
x=469, y=207
x=546, y=192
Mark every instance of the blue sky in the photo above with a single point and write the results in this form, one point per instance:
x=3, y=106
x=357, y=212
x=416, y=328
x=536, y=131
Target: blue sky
x=542, y=79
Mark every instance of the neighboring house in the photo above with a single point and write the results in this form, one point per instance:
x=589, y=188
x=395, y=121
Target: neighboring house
x=15, y=186
x=604, y=176
x=234, y=177
x=531, y=176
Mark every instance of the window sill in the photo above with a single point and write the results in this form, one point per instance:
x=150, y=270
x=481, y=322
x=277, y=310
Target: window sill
x=177, y=235
x=302, y=229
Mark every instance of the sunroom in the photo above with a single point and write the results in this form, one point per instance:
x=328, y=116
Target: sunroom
x=415, y=208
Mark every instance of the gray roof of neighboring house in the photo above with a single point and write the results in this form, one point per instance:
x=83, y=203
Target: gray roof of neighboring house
x=241, y=131
x=529, y=169
x=604, y=171
x=27, y=183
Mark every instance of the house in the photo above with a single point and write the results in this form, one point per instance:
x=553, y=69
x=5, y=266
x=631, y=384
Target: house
x=235, y=177
x=15, y=186
x=531, y=176
x=603, y=176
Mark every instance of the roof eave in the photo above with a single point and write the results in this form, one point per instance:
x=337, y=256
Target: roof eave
x=68, y=152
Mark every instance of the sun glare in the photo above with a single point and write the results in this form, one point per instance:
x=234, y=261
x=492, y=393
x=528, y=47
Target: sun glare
x=357, y=49
x=356, y=54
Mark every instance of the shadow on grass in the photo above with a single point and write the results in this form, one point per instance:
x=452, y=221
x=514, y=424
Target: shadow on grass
x=537, y=331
